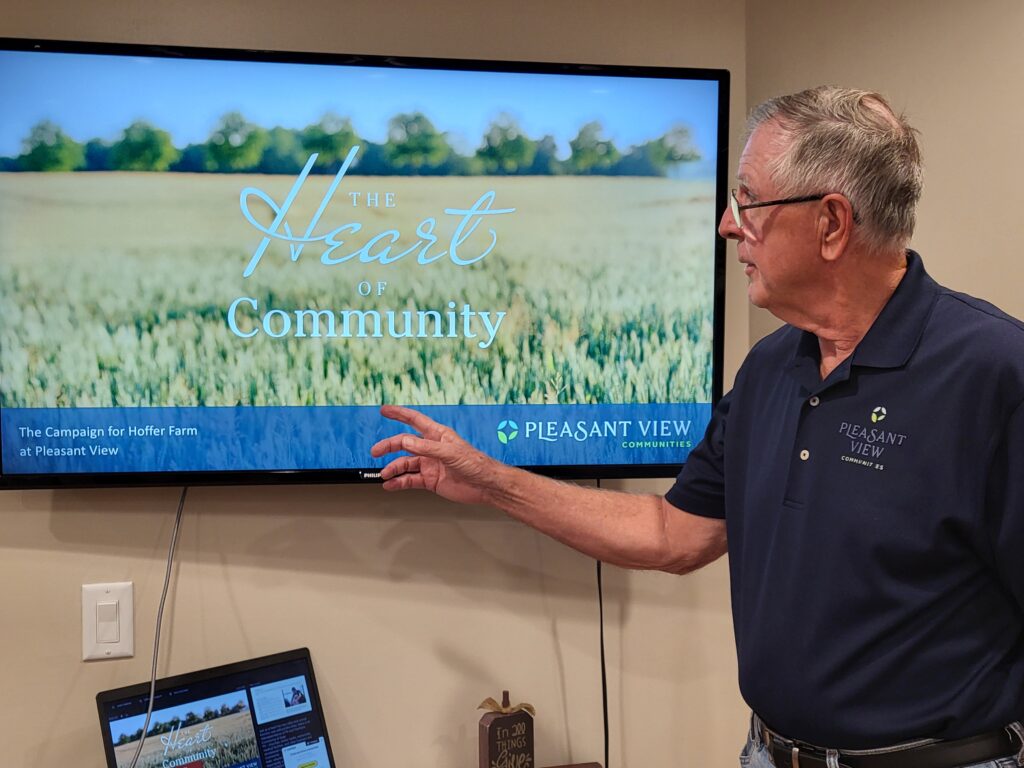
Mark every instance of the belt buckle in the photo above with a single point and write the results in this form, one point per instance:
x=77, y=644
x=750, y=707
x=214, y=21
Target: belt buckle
x=830, y=756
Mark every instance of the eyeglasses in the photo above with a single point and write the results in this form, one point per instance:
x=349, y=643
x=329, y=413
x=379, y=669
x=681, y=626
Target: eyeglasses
x=735, y=207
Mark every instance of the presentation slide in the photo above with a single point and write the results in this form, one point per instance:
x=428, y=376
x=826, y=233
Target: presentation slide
x=213, y=265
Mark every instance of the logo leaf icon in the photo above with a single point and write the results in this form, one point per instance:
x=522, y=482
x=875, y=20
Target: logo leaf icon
x=508, y=430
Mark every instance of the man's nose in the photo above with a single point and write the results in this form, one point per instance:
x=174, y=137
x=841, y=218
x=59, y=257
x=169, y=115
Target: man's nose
x=728, y=227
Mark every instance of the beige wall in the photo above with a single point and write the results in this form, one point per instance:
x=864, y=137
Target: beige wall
x=414, y=610
x=954, y=68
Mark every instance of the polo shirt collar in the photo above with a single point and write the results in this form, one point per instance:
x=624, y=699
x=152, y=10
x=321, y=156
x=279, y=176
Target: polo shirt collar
x=894, y=335
x=892, y=338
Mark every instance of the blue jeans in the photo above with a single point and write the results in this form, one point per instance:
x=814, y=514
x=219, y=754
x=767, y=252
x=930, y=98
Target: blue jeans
x=756, y=755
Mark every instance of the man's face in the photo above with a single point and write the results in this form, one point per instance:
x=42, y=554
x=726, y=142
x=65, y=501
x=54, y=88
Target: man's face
x=777, y=245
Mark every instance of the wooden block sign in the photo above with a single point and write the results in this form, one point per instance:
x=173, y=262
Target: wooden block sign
x=506, y=734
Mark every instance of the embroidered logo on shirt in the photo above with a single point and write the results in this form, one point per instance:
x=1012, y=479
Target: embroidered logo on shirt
x=868, y=444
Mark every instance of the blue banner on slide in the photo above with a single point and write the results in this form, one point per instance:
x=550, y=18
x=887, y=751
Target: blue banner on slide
x=200, y=439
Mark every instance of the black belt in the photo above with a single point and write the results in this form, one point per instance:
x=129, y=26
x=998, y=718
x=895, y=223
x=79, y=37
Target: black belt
x=937, y=754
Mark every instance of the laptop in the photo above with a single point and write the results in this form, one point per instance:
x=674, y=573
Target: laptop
x=260, y=713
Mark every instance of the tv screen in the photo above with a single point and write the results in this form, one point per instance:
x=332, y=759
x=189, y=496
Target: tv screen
x=216, y=265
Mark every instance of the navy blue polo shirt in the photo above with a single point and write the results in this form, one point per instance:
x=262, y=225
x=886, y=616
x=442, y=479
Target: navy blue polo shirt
x=876, y=523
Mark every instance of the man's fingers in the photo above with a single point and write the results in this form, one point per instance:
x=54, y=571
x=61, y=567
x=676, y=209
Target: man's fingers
x=420, y=447
x=404, y=483
x=388, y=445
x=408, y=443
x=422, y=423
x=400, y=466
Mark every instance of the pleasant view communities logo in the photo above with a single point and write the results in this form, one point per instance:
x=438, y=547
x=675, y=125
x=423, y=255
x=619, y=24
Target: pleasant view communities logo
x=633, y=433
x=508, y=430
x=868, y=444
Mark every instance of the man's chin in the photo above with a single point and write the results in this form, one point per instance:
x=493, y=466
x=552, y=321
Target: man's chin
x=756, y=296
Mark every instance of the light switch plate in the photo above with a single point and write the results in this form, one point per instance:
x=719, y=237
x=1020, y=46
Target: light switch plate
x=100, y=640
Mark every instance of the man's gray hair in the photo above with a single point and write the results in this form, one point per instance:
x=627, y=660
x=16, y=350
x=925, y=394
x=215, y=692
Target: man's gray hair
x=850, y=142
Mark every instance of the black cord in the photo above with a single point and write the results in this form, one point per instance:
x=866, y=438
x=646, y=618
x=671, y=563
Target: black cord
x=604, y=667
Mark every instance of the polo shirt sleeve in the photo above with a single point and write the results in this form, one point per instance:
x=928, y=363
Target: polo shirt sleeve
x=700, y=486
x=1005, y=503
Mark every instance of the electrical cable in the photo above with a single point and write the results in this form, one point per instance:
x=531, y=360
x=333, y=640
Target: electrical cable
x=604, y=667
x=159, y=620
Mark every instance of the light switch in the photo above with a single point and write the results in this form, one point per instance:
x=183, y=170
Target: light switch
x=107, y=629
x=107, y=621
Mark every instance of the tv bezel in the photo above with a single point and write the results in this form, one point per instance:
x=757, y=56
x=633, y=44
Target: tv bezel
x=368, y=474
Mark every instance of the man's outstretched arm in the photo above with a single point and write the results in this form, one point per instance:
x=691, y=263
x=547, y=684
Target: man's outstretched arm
x=625, y=529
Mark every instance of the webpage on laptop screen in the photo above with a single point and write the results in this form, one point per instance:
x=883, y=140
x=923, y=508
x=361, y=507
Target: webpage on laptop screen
x=217, y=724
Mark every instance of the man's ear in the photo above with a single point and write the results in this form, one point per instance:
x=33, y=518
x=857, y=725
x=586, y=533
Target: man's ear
x=835, y=226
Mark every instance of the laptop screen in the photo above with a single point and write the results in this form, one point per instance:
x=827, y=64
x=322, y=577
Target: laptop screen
x=260, y=713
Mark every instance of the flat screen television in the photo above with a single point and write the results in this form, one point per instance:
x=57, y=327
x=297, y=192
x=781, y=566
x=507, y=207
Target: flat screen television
x=216, y=265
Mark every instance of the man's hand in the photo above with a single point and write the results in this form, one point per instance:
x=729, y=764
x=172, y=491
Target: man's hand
x=440, y=460
x=630, y=530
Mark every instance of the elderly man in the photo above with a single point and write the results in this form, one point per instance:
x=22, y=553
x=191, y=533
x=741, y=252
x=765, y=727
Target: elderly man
x=867, y=469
